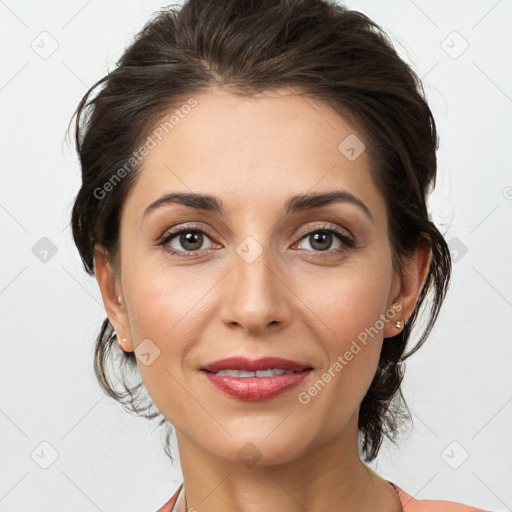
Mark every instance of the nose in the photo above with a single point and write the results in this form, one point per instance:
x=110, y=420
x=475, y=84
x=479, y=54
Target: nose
x=256, y=296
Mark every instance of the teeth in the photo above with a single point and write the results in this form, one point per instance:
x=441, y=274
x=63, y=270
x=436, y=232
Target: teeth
x=259, y=373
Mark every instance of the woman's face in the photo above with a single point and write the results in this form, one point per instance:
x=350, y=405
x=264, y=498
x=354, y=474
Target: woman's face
x=259, y=279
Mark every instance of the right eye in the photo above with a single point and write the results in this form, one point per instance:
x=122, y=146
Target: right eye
x=190, y=238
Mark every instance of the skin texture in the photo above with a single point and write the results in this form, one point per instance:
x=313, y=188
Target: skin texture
x=295, y=300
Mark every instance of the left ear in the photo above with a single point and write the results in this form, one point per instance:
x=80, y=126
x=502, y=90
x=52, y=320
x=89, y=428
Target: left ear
x=414, y=275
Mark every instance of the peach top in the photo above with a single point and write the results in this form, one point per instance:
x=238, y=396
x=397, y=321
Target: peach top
x=409, y=504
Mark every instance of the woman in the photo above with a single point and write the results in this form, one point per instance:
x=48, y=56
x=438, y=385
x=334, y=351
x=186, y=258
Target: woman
x=253, y=207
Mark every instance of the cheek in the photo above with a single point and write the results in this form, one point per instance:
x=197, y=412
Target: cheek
x=167, y=309
x=162, y=303
x=349, y=311
x=348, y=304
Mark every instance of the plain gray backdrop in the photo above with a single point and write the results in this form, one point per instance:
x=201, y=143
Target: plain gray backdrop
x=64, y=446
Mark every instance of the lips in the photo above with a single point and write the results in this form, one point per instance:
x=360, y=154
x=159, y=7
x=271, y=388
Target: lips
x=255, y=380
x=253, y=365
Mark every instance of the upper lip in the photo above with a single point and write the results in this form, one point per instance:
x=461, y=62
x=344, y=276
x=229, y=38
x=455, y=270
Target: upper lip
x=263, y=363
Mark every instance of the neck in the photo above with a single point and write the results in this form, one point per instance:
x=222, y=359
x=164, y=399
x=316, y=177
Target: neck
x=329, y=477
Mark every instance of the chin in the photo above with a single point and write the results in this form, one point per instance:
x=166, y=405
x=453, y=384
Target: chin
x=259, y=450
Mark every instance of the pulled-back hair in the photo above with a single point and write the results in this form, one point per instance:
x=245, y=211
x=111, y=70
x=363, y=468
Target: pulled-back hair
x=318, y=47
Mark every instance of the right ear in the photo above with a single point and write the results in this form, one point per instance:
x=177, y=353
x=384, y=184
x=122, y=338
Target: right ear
x=111, y=293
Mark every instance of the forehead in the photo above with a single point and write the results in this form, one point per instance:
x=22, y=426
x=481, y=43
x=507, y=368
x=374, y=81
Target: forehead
x=252, y=151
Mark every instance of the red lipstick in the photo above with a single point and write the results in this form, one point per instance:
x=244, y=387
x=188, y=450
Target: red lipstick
x=255, y=379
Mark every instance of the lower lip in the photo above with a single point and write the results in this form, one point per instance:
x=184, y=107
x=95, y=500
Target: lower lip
x=256, y=389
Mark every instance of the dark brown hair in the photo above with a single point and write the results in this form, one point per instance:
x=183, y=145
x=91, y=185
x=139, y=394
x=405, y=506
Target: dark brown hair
x=328, y=52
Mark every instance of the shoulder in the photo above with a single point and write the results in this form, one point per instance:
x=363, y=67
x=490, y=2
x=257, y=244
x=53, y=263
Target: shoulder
x=169, y=505
x=411, y=504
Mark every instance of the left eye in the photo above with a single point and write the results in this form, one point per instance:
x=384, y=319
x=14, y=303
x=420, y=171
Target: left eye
x=321, y=240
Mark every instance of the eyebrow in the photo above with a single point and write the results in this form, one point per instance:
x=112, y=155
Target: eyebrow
x=294, y=204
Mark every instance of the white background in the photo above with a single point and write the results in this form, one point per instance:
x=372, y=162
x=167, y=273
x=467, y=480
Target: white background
x=458, y=386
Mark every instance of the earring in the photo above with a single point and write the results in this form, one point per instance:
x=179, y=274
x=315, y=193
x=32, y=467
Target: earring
x=121, y=344
x=122, y=339
x=398, y=324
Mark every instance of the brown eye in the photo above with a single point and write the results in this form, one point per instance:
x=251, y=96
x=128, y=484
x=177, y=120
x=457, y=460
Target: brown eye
x=191, y=240
x=321, y=240
x=185, y=240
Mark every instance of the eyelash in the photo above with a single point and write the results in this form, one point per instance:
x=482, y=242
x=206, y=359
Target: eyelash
x=347, y=242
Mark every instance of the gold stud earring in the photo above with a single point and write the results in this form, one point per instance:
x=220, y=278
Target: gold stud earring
x=398, y=324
